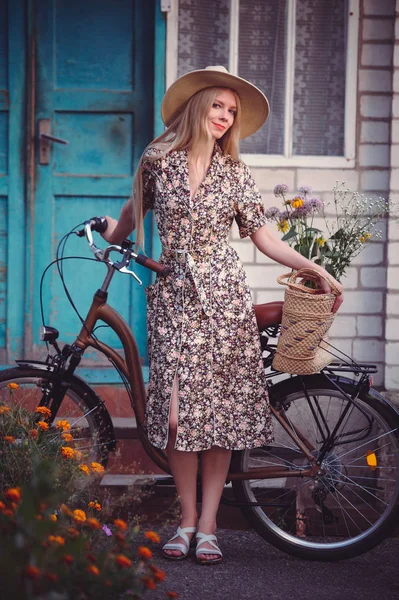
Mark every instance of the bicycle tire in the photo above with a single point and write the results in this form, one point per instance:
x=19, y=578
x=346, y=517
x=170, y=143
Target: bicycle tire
x=353, y=506
x=85, y=411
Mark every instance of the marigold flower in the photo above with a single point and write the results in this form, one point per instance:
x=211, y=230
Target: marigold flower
x=72, y=532
x=79, y=516
x=152, y=536
x=95, y=505
x=93, y=523
x=56, y=539
x=158, y=574
x=52, y=577
x=43, y=425
x=297, y=203
x=97, y=468
x=123, y=561
x=77, y=455
x=2, y=505
x=119, y=524
x=43, y=410
x=93, y=570
x=33, y=433
x=13, y=494
x=9, y=438
x=66, y=511
x=149, y=583
x=120, y=538
x=283, y=226
x=53, y=517
x=67, y=437
x=63, y=424
x=32, y=572
x=144, y=552
x=67, y=452
x=4, y=409
x=12, y=386
x=68, y=559
x=7, y=512
x=85, y=469
x=172, y=594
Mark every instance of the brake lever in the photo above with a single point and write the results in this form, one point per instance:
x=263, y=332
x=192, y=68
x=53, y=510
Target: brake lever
x=127, y=272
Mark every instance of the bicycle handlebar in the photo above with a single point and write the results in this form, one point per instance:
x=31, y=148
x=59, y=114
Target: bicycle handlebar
x=100, y=225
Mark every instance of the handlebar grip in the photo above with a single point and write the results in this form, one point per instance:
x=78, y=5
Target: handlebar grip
x=98, y=224
x=155, y=266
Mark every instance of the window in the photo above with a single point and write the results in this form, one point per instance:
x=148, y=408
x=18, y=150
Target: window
x=301, y=53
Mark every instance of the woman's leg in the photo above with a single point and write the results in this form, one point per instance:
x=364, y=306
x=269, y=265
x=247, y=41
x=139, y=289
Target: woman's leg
x=184, y=467
x=214, y=468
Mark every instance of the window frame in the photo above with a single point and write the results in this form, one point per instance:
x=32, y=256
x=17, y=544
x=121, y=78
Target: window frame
x=277, y=160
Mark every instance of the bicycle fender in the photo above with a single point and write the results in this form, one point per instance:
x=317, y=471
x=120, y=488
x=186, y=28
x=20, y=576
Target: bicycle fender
x=35, y=364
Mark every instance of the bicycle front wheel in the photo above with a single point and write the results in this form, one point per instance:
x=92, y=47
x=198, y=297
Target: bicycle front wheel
x=350, y=505
x=89, y=421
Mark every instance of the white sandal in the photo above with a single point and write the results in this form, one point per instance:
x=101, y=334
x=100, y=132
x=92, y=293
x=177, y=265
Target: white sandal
x=183, y=548
x=203, y=538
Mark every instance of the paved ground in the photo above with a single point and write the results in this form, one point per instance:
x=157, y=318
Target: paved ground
x=252, y=569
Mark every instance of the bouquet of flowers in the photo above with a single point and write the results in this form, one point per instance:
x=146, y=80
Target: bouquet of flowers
x=353, y=223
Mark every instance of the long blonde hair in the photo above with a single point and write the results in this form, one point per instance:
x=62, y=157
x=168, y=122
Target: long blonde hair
x=189, y=128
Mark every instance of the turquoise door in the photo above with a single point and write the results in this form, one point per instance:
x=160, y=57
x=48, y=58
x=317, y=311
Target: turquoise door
x=93, y=75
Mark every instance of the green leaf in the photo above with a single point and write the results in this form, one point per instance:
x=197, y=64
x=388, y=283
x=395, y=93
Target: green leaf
x=289, y=235
x=313, y=229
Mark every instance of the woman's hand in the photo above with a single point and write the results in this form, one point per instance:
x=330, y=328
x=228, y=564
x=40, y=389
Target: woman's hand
x=108, y=233
x=326, y=288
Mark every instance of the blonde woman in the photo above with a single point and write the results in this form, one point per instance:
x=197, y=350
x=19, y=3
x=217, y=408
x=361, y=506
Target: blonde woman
x=206, y=391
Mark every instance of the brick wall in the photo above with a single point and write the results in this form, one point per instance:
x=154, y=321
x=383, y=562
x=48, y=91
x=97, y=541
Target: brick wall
x=367, y=326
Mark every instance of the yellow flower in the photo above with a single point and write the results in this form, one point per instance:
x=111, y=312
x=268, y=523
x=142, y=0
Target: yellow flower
x=4, y=409
x=79, y=516
x=63, y=424
x=297, y=203
x=152, y=536
x=85, y=469
x=43, y=410
x=365, y=237
x=321, y=241
x=97, y=468
x=9, y=438
x=67, y=437
x=43, y=425
x=119, y=524
x=12, y=386
x=283, y=226
x=67, y=452
x=56, y=539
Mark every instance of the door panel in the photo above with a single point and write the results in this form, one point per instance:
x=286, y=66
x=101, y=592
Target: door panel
x=95, y=79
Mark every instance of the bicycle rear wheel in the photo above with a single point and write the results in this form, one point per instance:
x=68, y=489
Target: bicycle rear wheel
x=89, y=421
x=351, y=504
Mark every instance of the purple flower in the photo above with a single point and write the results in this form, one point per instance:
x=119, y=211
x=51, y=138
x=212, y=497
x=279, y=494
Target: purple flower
x=305, y=189
x=314, y=203
x=106, y=530
x=302, y=211
x=281, y=189
x=284, y=216
x=271, y=213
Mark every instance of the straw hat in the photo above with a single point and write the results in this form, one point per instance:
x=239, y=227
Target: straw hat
x=254, y=104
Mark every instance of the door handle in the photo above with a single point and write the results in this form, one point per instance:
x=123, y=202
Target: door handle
x=45, y=137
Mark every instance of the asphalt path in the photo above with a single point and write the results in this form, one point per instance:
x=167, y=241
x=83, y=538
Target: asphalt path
x=252, y=569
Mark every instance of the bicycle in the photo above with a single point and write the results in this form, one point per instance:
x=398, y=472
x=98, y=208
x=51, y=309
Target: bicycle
x=328, y=486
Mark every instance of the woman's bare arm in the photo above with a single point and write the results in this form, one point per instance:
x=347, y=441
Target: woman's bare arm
x=273, y=247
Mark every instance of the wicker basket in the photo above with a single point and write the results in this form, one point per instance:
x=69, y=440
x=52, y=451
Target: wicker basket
x=307, y=317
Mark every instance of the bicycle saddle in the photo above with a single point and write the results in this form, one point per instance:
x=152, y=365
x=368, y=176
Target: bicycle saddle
x=268, y=314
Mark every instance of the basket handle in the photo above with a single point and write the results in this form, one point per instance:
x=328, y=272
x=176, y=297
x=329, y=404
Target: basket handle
x=301, y=273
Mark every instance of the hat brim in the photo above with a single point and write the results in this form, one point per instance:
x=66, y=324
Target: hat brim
x=254, y=104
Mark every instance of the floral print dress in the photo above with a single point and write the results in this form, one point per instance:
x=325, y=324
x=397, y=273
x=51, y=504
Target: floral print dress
x=201, y=322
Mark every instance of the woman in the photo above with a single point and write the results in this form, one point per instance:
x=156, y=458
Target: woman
x=207, y=390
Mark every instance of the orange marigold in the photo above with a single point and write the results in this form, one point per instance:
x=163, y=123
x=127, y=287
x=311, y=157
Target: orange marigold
x=97, y=468
x=52, y=577
x=152, y=536
x=158, y=574
x=77, y=455
x=93, y=523
x=85, y=469
x=79, y=515
x=9, y=438
x=67, y=437
x=66, y=511
x=2, y=505
x=93, y=570
x=144, y=552
x=68, y=559
x=33, y=433
x=53, y=517
x=67, y=452
x=13, y=494
x=63, y=424
x=119, y=524
x=43, y=410
x=172, y=595
x=4, y=409
x=32, y=572
x=43, y=425
x=56, y=539
x=12, y=386
x=95, y=505
x=149, y=583
x=123, y=561
x=72, y=532
x=120, y=538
